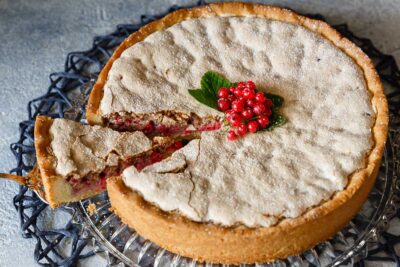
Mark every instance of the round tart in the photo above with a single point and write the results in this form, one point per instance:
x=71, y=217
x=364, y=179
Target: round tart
x=267, y=195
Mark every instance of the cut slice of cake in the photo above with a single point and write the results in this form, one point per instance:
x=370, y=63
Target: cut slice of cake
x=75, y=160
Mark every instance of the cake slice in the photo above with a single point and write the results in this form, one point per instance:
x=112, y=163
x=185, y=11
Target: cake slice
x=75, y=160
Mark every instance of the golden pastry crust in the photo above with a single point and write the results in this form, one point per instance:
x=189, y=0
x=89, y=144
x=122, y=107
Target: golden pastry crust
x=45, y=158
x=213, y=243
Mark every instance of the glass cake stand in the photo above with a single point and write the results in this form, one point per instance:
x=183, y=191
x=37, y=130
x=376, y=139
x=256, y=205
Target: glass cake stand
x=127, y=247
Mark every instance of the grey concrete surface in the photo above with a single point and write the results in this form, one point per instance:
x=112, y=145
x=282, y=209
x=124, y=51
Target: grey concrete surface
x=36, y=35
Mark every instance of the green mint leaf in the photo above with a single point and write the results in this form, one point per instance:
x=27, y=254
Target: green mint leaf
x=276, y=99
x=204, y=97
x=212, y=81
x=275, y=120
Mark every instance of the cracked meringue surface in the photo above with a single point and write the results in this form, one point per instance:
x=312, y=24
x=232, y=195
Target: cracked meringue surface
x=266, y=176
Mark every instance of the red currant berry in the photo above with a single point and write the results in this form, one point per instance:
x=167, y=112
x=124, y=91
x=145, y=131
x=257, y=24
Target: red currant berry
x=259, y=109
x=251, y=85
x=149, y=128
x=232, y=135
x=232, y=98
x=223, y=104
x=260, y=97
x=268, y=112
x=241, y=99
x=229, y=113
x=250, y=102
x=231, y=89
x=162, y=129
x=223, y=92
x=242, y=129
x=241, y=85
x=252, y=126
x=237, y=106
x=247, y=114
x=118, y=119
x=235, y=120
x=248, y=93
x=238, y=92
x=103, y=184
x=263, y=121
x=155, y=157
x=178, y=145
x=268, y=103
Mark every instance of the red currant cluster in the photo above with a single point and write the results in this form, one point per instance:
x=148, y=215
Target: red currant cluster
x=245, y=109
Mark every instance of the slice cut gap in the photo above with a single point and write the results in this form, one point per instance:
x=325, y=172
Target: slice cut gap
x=162, y=123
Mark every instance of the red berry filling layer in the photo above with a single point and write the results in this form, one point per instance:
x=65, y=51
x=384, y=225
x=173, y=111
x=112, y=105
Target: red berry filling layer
x=96, y=182
x=164, y=123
